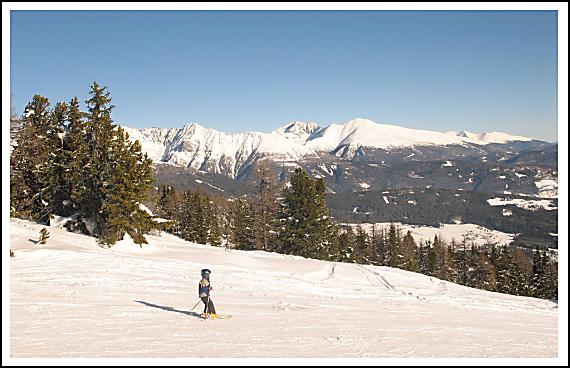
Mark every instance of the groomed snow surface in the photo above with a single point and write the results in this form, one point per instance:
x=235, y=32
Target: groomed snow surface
x=72, y=298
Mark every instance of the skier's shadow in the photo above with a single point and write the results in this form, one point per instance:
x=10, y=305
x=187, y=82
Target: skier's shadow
x=170, y=309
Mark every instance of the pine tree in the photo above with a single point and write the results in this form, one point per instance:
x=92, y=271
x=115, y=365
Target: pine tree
x=342, y=246
x=360, y=246
x=462, y=263
x=264, y=208
x=29, y=164
x=214, y=232
x=306, y=227
x=510, y=279
x=124, y=189
x=77, y=150
x=408, y=250
x=393, y=256
x=185, y=217
x=431, y=259
x=373, y=254
x=115, y=178
x=65, y=163
x=97, y=138
x=483, y=273
x=380, y=246
x=194, y=219
x=241, y=224
x=58, y=161
x=445, y=266
x=544, y=278
x=168, y=207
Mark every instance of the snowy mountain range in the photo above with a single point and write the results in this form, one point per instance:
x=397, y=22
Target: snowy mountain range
x=432, y=177
x=217, y=152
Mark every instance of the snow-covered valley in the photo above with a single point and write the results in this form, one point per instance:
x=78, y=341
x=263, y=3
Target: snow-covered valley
x=72, y=298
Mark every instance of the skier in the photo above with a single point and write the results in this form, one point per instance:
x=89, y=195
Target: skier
x=204, y=293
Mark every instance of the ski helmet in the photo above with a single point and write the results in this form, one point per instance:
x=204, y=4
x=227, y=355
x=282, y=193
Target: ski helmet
x=206, y=273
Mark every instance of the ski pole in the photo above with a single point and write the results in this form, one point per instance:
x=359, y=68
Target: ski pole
x=199, y=300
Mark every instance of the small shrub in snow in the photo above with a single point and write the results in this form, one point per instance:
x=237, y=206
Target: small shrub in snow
x=44, y=236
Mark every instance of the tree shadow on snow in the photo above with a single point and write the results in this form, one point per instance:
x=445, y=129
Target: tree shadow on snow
x=170, y=309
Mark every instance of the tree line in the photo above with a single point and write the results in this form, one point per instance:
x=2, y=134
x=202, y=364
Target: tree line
x=296, y=220
x=79, y=164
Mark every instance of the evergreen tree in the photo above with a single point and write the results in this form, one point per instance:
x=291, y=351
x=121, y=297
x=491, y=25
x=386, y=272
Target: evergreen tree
x=509, y=277
x=462, y=263
x=87, y=166
x=125, y=185
x=342, y=249
x=360, y=246
x=167, y=207
x=544, y=278
x=373, y=246
x=393, y=255
x=115, y=177
x=29, y=164
x=95, y=173
x=241, y=225
x=431, y=264
x=264, y=208
x=77, y=151
x=214, y=231
x=194, y=224
x=306, y=227
x=58, y=161
x=380, y=245
x=482, y=274
x=185, y=217
x=408, y=250
x=445, y=268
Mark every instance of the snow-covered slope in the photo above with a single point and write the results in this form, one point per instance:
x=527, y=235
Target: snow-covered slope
x=72, y=298
x=472, y=233
x=297, y=131
x=367, y=133
x=153, y=140
x=213, y=151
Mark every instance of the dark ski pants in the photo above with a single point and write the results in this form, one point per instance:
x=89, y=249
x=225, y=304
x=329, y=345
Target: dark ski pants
x=208, y=305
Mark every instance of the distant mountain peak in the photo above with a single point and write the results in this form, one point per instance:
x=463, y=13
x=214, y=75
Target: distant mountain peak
x=297, y=131
x=208, y=149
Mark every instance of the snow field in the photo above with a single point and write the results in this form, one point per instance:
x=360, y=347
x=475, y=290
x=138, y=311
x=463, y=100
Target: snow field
x=72, y=298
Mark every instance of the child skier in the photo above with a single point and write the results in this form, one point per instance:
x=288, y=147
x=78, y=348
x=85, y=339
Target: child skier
x=204, y=293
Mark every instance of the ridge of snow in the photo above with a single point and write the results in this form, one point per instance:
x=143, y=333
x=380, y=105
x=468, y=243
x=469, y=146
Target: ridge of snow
x=487, y=138
x=207, y=149
x=297, y=131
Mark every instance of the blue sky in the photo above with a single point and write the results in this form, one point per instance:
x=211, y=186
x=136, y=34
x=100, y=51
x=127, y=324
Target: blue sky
x=248, y=70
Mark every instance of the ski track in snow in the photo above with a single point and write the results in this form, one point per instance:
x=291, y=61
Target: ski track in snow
x=72, y=298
